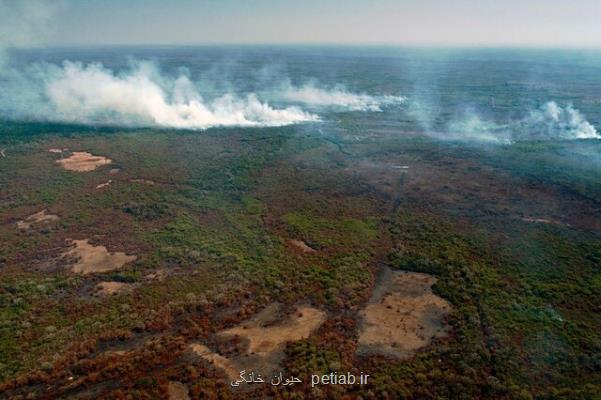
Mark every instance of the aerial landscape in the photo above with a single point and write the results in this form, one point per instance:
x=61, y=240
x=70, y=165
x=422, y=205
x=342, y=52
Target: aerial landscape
x=299, y=210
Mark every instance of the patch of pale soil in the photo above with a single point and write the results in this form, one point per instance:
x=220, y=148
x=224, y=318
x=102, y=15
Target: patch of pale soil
x=82, y=161
x=268, y=339
x=403, y=314
x=264, y=338
x=143, y=181
x=91, y=259
x=543, y=221
x=228, y=366
x=114, y=171
x=37, y=218
x=105, y=184
x=57, y=151
x=159, y=275
x=112, y=288
x=304, y=247
x=177, y=391
x=118, y=353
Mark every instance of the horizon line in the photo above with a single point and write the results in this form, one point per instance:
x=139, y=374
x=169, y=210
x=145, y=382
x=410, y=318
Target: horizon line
x=516, y=46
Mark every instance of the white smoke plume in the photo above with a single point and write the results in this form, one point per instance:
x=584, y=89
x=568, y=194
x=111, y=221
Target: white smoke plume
x=473, y=128
x=549, y=122
x=338, y=97
x=93, y=94
x=141, y=96
x=555, y=122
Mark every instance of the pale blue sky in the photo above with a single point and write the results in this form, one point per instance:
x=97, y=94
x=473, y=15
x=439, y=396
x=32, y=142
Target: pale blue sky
x=426, y=22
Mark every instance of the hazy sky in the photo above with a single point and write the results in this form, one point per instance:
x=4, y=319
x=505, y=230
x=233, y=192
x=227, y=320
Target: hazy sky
x=454, y=22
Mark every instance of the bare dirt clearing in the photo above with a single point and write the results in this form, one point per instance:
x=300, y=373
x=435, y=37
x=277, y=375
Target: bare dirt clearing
x=82, y=161
x=264, y=338
x=37, y=218
x=304, y=247
x=91, y=259
x=177, y=391
x=229, y=367
x=543, y=221
x=403, y=314
x=105, y=184
x=142, y=181
x=112, y=288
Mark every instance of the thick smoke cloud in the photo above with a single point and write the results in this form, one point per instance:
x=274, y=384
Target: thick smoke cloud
x=141, y=96
x=138, y=96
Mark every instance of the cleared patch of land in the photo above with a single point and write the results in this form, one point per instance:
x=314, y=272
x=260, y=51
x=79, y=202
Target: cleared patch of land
x=91, y=259
x=177, y=391
x=304, y=247
x=542, y=221
x=228, y=366
x=112, y=288
x=143, y=181
x=37, y=218
x=105, y=184
x=82, y=161
x=403, y=314
x=264, y=338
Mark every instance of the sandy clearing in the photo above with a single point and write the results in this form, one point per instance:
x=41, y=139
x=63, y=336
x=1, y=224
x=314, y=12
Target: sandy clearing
x=112, y=288
x=228, y=366
x=264, y=339
x=142, y=181
x=543, y=221
x=105, y=184
x=91, y=259
x=177, y=391
x=403, y=314
x=37, y=218
x=268, y=339
x=304, y=247
x=158, y=275
x=82, y=161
